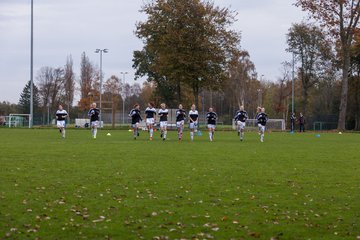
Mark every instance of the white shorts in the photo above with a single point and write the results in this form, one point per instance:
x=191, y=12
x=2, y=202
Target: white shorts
x=150, y=121
x=163, y=124
x=241, y=124
x=94, y=124
x=60, y=124
x=180, y=123
x=261, y=128
x=135, y=125
x=193, y=125
x=211, y=126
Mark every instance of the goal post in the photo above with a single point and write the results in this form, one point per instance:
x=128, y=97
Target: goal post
x=19, y=120
x=272, y=124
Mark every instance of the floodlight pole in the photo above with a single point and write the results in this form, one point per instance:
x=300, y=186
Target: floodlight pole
x=31, y=66
x=259, y=97
x=101, y=79
x=123, y=107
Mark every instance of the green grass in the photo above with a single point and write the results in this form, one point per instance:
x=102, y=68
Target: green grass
x=292, y=186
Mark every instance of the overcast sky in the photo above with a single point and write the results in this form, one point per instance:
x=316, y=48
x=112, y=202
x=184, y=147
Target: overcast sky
x=71, y=27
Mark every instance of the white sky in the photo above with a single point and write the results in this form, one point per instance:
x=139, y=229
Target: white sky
x=71, y=27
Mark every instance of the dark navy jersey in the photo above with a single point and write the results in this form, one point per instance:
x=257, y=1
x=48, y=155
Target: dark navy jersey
x=262, y=118
x=302, y=120
x=193, y=115
x=94, y=114
x=135, y=116
x=150, y=112
x=180, y=115
x=241, y=116
x=211, y=118
x=292, y=118
x=163, y=113
x=61, y=115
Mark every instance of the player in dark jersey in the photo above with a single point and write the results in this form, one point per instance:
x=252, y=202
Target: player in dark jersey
x=302, y=122
x=262, y=118
x=258, y=111
x=163, y=114
x=150, y=113
x=240, y=121
x=94, y=119
x=61, y=115
x=211, y=118
x=193, y=121
x=180, y=120
x=292, y=122
x=135, y=119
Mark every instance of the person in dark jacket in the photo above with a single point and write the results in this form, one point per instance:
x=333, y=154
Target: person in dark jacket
x=302, y=122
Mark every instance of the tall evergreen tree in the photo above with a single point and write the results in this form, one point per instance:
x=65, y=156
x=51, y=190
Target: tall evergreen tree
x=24, y=101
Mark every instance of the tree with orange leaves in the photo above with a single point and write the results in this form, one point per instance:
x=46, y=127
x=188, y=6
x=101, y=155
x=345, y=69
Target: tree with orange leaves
x=341, y=19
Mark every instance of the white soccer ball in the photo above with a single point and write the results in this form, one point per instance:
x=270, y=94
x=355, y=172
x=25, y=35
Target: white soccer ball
x=340, y=132
x=108, y=134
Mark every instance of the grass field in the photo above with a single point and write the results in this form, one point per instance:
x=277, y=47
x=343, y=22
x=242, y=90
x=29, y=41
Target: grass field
x=292, y=186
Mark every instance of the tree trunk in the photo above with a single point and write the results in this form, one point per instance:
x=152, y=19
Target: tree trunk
x=344, y=89
x=357, y=104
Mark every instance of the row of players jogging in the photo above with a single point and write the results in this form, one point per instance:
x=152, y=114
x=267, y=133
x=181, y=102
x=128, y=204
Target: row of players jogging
x=181, y=117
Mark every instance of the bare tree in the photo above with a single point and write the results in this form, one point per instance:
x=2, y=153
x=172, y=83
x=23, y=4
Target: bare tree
x=87, y=77
x=112, y=86
x=69, y=83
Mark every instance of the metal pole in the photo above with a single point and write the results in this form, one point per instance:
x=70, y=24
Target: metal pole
x=123, y=113
x=100, y=87
x=293, y=84
x=123, y=107
x=48, y=114
x=31, y=66
x=259, y=97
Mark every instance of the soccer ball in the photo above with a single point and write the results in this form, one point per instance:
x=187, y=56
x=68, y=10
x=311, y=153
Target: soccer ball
x=340, y=132
x=108, y=134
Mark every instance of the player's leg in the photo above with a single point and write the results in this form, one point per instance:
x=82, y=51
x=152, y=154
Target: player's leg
x=63, y=132
x=178, y=129
x=58, y=125
x=213, y=132
x=242, y=130
x=133, y=126
x=191, y=127
x=262, y=133
x=181, y=129
x=165, y=132
x=151, y=131
x=210, y=132
x=95, y=130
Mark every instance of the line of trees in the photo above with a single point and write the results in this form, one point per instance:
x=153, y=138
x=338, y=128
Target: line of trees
x=192, y=55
